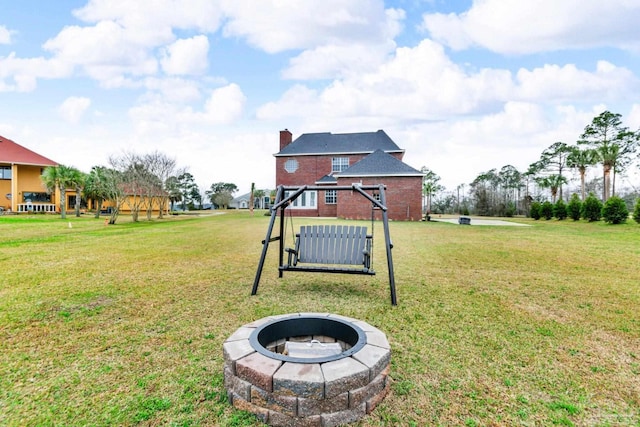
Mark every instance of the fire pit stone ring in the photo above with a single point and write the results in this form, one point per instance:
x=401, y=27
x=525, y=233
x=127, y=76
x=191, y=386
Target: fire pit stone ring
x=309, y=369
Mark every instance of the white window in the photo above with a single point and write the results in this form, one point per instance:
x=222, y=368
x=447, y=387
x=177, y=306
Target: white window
x=291, y=165
x=338, y=164
x=330, y=197
x=307, y=200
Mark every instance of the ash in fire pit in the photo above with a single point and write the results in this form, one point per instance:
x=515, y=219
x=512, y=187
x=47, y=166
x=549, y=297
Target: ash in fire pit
x=307, y=369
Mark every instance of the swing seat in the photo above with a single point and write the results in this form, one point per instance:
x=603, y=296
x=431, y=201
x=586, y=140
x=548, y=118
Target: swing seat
x=329, y=248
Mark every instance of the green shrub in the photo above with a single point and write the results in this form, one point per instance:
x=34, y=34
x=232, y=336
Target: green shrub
x=636, y=212
x=615, y=211
x=510, y=211
x=592, y=208
x=560, y=210
x=546, y=210
x=574, y=207
x=534, y=211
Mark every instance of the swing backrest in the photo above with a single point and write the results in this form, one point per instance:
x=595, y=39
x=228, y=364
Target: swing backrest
x=333, y=244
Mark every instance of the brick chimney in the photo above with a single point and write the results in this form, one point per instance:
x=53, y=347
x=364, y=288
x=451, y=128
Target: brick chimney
x=285, y=138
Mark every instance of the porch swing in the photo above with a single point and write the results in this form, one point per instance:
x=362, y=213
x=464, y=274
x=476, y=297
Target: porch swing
x=346, y=249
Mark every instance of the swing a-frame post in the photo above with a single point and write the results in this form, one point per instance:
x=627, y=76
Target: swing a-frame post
x=344, y=249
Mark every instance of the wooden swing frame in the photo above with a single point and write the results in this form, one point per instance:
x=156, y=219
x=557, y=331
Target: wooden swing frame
x=283, y=202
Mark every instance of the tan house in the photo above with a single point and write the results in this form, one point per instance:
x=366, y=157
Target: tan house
x=21, y=189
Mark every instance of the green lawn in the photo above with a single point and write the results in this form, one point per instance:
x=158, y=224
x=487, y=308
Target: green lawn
x=124, y=324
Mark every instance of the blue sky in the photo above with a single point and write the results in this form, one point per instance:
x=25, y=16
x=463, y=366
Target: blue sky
x=462, y=86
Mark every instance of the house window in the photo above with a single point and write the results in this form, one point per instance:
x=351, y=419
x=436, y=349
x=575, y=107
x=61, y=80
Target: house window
x=330, y=197
x=338, y=164
x=5, y=172
x=307, y=200
x=29, y=196
x=291, y=165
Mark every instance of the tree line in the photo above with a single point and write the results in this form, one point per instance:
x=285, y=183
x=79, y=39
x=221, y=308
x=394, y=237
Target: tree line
x=508, y=191
x=140, y=183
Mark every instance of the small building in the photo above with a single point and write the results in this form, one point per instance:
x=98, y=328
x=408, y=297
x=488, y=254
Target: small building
x=244, y=201
x=366, y=158
x=21, y=188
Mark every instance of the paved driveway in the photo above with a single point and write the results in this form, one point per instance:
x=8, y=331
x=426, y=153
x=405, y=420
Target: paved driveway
x=481, y=221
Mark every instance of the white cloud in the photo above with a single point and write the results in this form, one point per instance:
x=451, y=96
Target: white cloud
x=105, y=51
x=554, y=82
x=422, y=83
x=177, y=90
x=154, y=19
x=186, y=56
x=159, y=115
x=520, y=27
x=225, y=104
x=331, y=61
x=21, y=74
x=5, y=35
x=633, y=119
x=73, y=108
x=277, y=25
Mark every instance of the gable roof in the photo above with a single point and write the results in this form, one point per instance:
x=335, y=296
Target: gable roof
x=324, y=143
x=10, y=152
x=379, y=163
x=327, y=179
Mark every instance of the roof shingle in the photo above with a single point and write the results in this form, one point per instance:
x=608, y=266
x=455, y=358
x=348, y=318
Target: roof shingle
x=340, y=143
x=11, y=152
x=379, y=163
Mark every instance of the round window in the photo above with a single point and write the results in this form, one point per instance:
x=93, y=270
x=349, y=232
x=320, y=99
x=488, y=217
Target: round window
x=291, y=165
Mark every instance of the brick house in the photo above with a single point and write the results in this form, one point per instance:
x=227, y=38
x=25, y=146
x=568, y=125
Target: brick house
x=344, y=159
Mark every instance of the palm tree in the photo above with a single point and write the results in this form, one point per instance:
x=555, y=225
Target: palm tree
x=581, y=160
x=96, y=187
x=78, y=178
x=554, y=160
x=553, y=183
x=614, y=143
x=259, y=194
x=430, y=185
x=59, y=177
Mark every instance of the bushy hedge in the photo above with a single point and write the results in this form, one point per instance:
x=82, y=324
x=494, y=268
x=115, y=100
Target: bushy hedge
x=534, y=211
x=560, y=210
x=547, y=210
x=592, y=208
x=574, y=207
x=615, y=211
x=636, y=212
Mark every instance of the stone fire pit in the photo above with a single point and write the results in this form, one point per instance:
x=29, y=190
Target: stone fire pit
x=307, y=369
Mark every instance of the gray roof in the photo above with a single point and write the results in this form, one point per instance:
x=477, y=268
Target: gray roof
x=327, y=179
x=380, y=163
x=340, y=143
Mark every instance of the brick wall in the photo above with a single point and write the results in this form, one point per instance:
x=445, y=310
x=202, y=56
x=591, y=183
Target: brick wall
x=403, y=196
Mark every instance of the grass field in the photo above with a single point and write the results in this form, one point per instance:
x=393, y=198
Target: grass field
x=124, y=324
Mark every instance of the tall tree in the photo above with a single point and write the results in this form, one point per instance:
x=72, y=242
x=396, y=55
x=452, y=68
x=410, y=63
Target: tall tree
x=221, y=193
x=162, y=167
x=582, y=160
x=553, y=160
x=188, y=187
x=172, y=187
x=614, y=143
x=78, y=179
x=430, y=186
x=135, y=177
x=511, y=182
x=553, y=183
x=96, y=187
x=59, y=177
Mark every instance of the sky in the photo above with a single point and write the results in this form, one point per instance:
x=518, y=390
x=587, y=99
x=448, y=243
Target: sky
x=462, y=86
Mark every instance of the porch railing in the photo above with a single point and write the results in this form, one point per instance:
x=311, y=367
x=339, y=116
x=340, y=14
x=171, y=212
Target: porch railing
x=37, y=207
